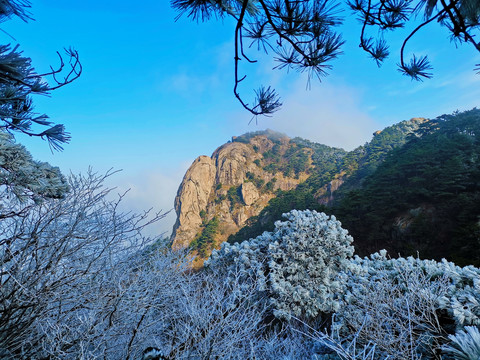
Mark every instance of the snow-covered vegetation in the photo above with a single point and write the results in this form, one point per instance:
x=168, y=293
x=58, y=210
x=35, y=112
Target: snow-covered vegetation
x=298, y=265
x=402, y=308
x=80, y=281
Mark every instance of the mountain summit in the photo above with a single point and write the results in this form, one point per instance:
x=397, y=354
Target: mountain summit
x=413, y=189
x=220, y=193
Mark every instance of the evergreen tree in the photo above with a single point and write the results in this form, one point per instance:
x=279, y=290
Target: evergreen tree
x=23, y=181
x=297, y=265
x=19, y=81
x=302, y=34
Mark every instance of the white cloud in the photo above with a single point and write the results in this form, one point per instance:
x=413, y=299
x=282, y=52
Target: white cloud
x=152, y=189
x=329, y=114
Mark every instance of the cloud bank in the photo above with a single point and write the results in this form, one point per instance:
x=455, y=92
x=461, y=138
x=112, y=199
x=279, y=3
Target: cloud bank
x=152, y=189
x=328, y=114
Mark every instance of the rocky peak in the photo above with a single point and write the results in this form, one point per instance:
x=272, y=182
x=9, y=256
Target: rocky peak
x=231, y=186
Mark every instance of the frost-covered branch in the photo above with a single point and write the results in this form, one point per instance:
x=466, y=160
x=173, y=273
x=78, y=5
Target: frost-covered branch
x=19, y=81
x=55, y=255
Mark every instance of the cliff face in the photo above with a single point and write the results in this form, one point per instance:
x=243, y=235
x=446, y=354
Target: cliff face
x=412, y=189
x=325, y=195
x=192, y=197
x=232, y=185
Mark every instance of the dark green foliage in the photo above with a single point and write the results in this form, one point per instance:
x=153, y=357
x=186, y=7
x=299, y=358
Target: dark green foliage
x=256, y=180
x=326, y=160
x=205, y=240
x=322, y=154
x=218, y=187
x=234, y=194
x=297, y=161
x=273, y=154
x=272, y=168
x=257, y=162
x=295, y=158
x=259, y=182
x=424, y=197
x=220, y=198
x=363, y=161
x=269, y=186
x=291, y=162
x=301, y=199
x=241, y=139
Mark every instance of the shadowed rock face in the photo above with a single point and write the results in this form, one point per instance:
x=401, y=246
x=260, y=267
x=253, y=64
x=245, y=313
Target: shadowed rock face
x=232, y=163
x=209, y=183
x=192, y=197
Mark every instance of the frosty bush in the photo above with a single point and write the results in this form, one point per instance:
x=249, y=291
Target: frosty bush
x=78, y=280
x=393, y=304
x=406, y=305
x=298, y=265
x=461, y=296
x=57, y=257
x=465, y=345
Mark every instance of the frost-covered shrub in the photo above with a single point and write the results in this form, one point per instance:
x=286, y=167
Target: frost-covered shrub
x=465, y=344
x=25, y=178
x=305, y=260
x=64, y=263
x=461, y=299
x=333, y=345
x=298, y=265
x=393, y=304
x=397, y=303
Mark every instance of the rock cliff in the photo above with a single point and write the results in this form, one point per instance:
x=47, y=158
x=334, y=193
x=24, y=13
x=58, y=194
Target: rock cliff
x=192, y=198
x=231, y=190
x=233, y=185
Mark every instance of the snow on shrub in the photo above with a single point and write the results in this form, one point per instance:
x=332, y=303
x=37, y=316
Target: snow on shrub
x=298, y=265
x=461, y=298
x=406, y=306
x=465, y=344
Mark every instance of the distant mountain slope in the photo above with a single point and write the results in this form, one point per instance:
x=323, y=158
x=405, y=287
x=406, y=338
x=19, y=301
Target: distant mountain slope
x=415, y=187
x=318, y=190
x=425, y=196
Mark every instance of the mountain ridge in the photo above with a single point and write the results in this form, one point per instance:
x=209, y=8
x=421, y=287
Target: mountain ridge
x=237, y=182
x=258, y=176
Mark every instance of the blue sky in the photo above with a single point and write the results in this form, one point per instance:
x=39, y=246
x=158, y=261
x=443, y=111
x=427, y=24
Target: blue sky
x=156, y=93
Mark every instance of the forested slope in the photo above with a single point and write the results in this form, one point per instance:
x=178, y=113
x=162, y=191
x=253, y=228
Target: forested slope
x=347, y=172
x=413, y=188
x=424, y=197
